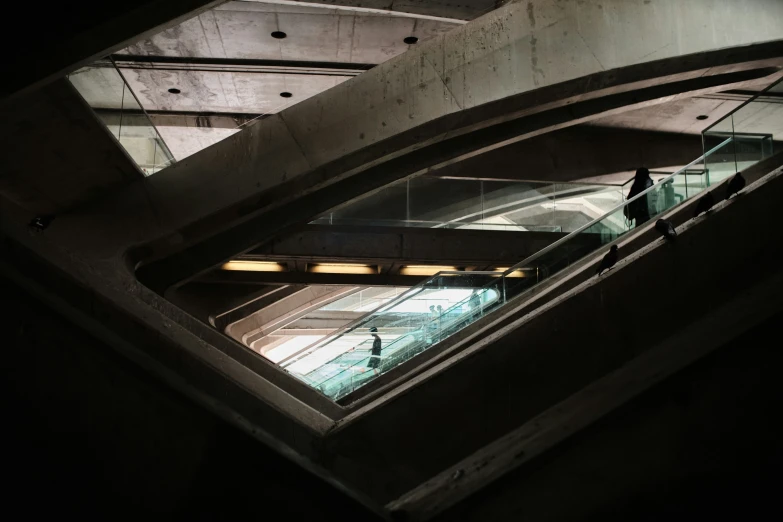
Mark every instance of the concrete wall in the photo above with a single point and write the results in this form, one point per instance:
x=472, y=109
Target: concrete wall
x=518, y=371
x=581, y=152
x=81, y=34
x=69, y=160
x=96, y=435
x=78, y=262
x=407, y=245
x=514, y=50
x=703, y=445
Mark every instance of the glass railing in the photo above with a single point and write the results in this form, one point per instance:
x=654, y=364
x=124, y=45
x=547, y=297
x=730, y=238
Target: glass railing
x=449, y=301
x=410, y=324
x=458, y=203
x=104, y=88
x=751, y=126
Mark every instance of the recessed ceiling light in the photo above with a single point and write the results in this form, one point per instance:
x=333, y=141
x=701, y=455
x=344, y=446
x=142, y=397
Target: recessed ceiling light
x=342, y=268
x=174, y=90
x=425, y=270
x=410, y=40
x=702, y=117
x=286, y=94
x=279, y=35
x=254, y=266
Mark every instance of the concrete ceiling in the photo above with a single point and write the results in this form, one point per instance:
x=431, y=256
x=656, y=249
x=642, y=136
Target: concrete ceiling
x=447, y=9
x=225, y=61
x=229, y=70
x=678, y=116
x=681, y=116
x=243, y=29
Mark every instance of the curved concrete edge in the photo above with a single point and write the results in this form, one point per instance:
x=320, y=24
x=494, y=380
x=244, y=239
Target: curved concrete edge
x=588, y=406
x=593, y=402
x=306, y=196
x=519, y=48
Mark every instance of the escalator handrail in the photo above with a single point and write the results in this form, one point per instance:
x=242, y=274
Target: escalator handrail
x=453, y=321
x=412, y=291
x=522, y=264
x=357, y=363
x=584, y=227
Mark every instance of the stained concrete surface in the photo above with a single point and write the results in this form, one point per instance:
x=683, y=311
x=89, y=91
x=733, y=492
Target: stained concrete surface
x=150, y=210
x=314, y=33
x=705, y=444
x=515, y=372
x=97, y=437
x=70, y=35
x=39, y=168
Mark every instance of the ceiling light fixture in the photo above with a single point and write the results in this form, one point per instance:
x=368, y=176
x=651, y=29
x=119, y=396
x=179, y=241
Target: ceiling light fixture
x=254, y=266
x=410, y=40
x=279, y=35
x=174, y=90
x=342, y=268
x=425, y=270
x=286, y=94
x=702, y=117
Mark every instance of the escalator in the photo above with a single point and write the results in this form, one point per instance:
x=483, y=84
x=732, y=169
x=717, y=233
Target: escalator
x=349, y=371
x=488, y=292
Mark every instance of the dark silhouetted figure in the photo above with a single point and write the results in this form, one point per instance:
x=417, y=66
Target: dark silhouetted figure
x=736, y=184
x=641, y=209
x=375, y=354
x=666, y=228
x=705, y=204
x=40, y=223
x=608, y=261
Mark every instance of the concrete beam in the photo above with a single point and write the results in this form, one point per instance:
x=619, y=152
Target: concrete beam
x=525, y=359
x=441, y=246
x=527, y=302
x=442, y=10
x=284, y=311
x=662, y=453
x=70, y=36
x=205, y=302
x=34, y=171
x=564, y=420
x=94, y=280
x=582, y=152
x=363, y=137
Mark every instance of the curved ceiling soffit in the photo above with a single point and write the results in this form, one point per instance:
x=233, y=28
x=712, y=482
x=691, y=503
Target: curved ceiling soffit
x=442, y=142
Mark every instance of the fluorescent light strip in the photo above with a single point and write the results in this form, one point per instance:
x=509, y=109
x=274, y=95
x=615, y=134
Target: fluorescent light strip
x=424, y=270
x=342, y=268
x=254, y=266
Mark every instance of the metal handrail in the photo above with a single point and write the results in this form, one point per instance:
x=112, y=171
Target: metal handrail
x=522, y=264
x=581, y=229
x=144, y=111
x=383, y=307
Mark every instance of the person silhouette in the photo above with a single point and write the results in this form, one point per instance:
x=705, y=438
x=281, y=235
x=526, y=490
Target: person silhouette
x=375, y=353
x=641, y=209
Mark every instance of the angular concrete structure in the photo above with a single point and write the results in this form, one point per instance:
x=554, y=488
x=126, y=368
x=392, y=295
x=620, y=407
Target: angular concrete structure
x=418, y=441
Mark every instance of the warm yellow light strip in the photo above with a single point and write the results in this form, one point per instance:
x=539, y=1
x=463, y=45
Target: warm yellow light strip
x=424, y=270
x=515, y=273
x=342, y=268
x=254, y=266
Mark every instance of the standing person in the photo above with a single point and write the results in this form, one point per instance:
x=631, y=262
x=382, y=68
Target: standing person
x=431, y=326
x=641, y=209
x=375, y=354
